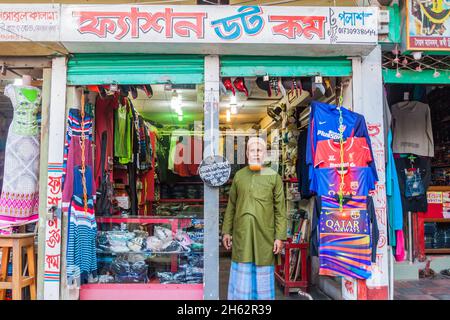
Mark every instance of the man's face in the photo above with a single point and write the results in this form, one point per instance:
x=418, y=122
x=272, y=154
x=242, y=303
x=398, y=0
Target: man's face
x=256, y=153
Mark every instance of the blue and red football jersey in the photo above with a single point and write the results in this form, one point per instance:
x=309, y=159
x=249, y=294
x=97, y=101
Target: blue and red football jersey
x=358, y=181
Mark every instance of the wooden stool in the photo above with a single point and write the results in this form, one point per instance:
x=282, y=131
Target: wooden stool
x=18, y=280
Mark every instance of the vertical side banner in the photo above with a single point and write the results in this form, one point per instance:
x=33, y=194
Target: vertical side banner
x=52, y=260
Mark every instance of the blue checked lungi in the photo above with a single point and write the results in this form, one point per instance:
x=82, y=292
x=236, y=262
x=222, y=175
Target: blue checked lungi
x=251, y=282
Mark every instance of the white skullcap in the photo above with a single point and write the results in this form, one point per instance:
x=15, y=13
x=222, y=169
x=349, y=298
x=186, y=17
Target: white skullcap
x=258, y=140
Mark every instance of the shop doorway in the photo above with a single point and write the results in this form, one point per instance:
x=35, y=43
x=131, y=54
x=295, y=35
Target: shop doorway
x=276, y=109
x=426, y=224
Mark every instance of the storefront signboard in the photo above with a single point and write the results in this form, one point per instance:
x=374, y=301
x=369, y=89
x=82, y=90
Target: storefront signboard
x=219, y=24
x=25, y=22
x=428, y=25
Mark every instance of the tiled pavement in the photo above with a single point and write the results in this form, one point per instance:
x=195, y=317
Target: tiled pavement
x=225, y=263
x=422, y=289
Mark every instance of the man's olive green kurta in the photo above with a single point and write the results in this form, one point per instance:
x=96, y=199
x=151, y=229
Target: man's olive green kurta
x=255, y=215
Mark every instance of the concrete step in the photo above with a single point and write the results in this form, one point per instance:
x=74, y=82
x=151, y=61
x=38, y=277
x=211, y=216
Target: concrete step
x=410, y=271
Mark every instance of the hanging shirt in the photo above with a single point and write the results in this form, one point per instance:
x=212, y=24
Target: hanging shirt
x=356, y=153
x=412, y=128
x=394, y=199
x=122, y=134
x=104, y=121
x=324, y=125
x=255, y=215
x=413, y=188
x=346, y=242
x=358, y=181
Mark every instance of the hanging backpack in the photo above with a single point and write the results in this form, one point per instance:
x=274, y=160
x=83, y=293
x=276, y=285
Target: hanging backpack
x=105, y=191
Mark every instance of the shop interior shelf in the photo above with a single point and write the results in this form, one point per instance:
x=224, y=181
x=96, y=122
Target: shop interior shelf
x=437, y=251
x=141, y=291
x=148, y=253
x=144, y=219
x=444, y=220
x=283, y=271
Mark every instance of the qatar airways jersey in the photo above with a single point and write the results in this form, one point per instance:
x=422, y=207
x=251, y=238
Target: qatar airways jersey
x=356, y=153
x=358, y=181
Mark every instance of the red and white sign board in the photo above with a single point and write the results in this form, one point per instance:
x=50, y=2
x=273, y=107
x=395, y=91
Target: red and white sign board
x=219, y=24
x=27, y=22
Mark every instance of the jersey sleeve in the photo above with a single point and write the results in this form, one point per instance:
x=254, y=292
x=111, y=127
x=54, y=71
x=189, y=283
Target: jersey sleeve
x=361, y=131
x=319, y=157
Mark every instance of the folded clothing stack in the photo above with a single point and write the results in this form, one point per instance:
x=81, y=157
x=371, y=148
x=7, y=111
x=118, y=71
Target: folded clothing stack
x=126, y=272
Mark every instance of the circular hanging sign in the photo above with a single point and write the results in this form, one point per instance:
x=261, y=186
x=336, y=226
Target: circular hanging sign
x=214, y=171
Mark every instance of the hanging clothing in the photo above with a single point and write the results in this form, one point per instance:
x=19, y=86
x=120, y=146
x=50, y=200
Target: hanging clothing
x=413, y=183
x=82, y=230
x=251, y=282
x=150, y=174
x=255, y=215
x=346, y=242
x=394, y=199
x=19, y=200
x=412, y=128
x=162, y=156
x=123, y=145
x=73, y=153
x=145, y=150
x=356, y=153
x=302, y=166
x=324, y=125
x=104, y=121
x=358, y=181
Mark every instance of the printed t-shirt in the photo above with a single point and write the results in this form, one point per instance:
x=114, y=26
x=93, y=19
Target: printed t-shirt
x=358, y=181
x=346, y=241
x=356, y=153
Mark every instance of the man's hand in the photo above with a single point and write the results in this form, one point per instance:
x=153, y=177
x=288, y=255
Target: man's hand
x=277, y=246
x=226, y=240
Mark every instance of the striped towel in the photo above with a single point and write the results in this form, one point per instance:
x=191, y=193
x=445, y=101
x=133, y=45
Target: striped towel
x=251, y=282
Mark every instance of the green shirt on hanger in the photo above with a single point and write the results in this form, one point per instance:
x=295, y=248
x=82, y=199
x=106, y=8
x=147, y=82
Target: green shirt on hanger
x=122, y=134
x=255, y=215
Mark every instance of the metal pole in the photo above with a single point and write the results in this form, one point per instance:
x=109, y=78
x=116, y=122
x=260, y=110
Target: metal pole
x=211, y=195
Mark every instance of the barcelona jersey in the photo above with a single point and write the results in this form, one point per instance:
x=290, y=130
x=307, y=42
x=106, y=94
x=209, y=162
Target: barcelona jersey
x=358, y=181
x=345, y=247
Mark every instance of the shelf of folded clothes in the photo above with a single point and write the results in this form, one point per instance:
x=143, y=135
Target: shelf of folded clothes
x=143, y=219
x=187, y=200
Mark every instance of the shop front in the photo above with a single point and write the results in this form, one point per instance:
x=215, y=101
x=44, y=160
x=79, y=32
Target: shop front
x=416, y=82
x=143, y=85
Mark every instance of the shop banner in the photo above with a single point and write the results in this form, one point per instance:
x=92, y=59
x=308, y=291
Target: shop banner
x=219, y=24
x=27, y=22
x=428, y=25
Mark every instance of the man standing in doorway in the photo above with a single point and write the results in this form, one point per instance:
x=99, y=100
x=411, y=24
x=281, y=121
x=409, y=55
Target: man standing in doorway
x=255, y=219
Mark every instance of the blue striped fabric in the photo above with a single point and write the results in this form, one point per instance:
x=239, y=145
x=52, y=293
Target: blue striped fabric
x=251, y=282
x=81, y=242
x=74, y=129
